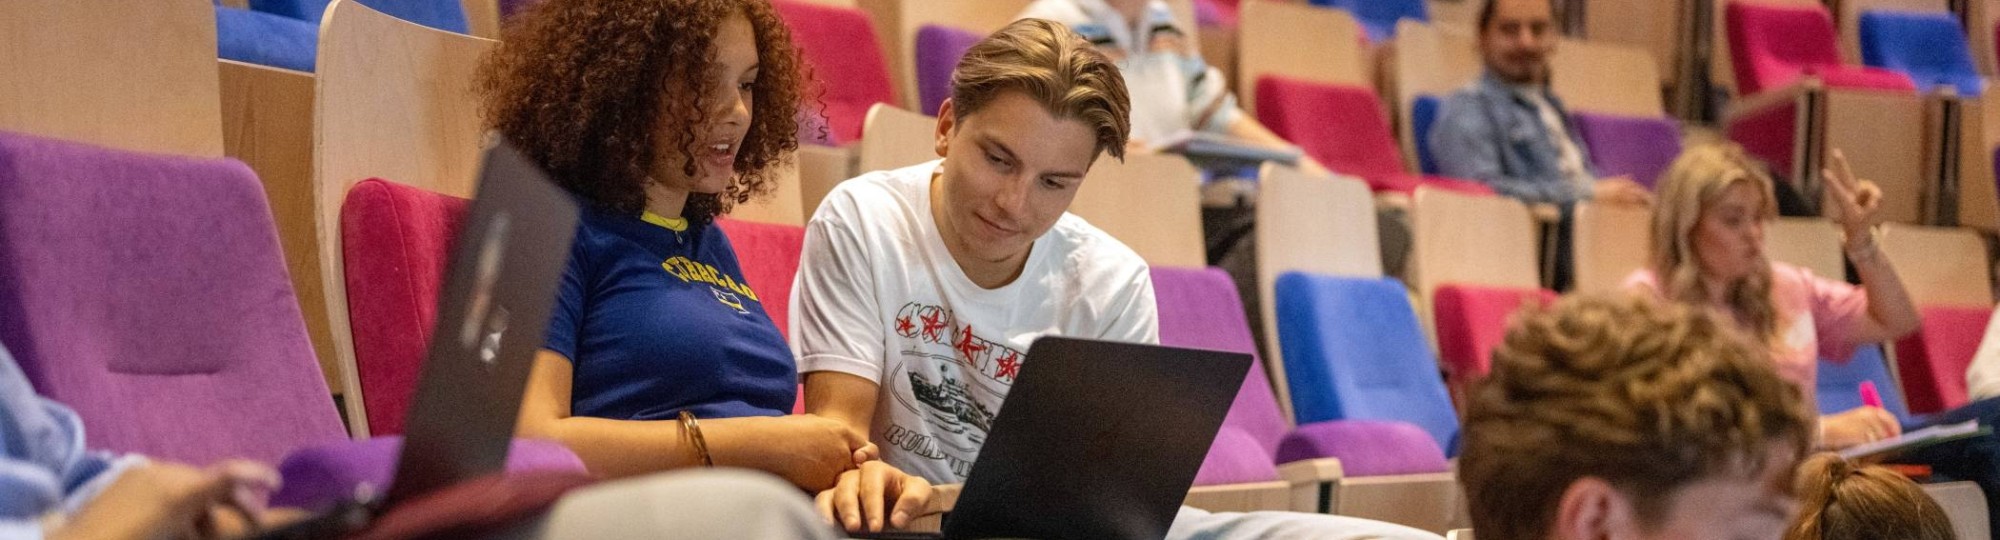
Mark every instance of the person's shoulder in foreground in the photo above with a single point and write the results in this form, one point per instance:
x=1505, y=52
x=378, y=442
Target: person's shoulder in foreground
x=1626, y=416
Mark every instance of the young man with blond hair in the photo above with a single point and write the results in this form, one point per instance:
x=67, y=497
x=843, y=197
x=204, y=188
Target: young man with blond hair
x=921, y=288
x=1625, y=417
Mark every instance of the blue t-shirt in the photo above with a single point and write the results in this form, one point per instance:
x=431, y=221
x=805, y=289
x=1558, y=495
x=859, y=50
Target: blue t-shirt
x=656, y=320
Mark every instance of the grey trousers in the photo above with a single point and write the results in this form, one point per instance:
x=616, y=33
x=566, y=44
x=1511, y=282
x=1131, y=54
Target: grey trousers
x=733, y=504
x=1198, y=524
x=686, y=505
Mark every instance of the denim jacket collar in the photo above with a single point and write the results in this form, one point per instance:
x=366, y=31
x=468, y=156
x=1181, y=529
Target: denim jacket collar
x=1492, y=88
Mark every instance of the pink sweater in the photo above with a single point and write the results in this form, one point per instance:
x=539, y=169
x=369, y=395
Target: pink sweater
x=1816, y=316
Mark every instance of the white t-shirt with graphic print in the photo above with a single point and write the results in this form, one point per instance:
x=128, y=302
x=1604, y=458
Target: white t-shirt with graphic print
x=878, y=296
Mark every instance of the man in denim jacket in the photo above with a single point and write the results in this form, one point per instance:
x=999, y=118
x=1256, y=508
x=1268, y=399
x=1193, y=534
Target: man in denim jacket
x=1510, y=132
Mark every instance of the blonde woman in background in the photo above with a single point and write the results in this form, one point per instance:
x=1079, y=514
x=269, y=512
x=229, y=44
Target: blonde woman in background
x=1708, y=249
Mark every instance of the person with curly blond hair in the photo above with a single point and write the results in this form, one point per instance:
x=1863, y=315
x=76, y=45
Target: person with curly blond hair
x=660, y=115
x=1621, y=417
x=1844, y=500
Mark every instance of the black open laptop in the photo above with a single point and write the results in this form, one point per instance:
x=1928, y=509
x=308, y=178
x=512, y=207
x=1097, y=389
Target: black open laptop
x=1096, y=439
x=492, y=313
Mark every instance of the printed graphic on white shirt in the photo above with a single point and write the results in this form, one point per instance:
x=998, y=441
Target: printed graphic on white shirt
x=952, y=379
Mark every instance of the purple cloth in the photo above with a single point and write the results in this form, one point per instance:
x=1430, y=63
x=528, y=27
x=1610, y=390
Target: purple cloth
x=1200, y=309
x=1235, y=458
x=317, y=475
x=938, y=51
x=1634, y=146
x=148, y=293
x=1366, y=447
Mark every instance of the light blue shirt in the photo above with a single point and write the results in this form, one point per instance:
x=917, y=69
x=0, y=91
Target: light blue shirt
x=44, y=467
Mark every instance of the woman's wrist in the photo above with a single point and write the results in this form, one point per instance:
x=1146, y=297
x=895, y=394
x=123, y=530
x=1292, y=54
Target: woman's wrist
x=733, y=442
x=1861, y=246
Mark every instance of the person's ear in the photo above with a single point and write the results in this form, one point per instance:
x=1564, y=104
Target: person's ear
x=1592, y=509
x=947, y=121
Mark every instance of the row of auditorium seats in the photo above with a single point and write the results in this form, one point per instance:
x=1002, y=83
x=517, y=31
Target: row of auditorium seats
x=1435, y=60
x=1373, y=400
x=1657, y=134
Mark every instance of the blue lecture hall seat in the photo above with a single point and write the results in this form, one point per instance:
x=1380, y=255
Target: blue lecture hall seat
x=1353, y=350
x=1929, y=47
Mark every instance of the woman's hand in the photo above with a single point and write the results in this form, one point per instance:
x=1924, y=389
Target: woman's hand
x=1860, y=425
x=809, y=451
x=863, y=496
x=1851, y=202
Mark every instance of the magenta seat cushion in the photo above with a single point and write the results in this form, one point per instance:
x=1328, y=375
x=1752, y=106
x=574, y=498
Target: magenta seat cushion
x=1343, y=128
x=1772, y=45
x=395, y=241
x=839, y=45
x=1932, y=361
x=1472, y=321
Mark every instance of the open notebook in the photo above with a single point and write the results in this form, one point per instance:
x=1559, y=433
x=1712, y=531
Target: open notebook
x=1205, y=148
x=1892, y=446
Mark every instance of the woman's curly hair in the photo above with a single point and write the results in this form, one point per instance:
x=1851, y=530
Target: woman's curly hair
x=585, y=87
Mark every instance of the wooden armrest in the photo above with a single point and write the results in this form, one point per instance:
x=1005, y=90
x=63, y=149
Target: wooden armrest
x=1313, y=483
x=1311, y=471
x=1429, y=501
x=1761, y=101
x=1247, y=497
x=1390, y=199
x=1941, y=91
x=1545, y=212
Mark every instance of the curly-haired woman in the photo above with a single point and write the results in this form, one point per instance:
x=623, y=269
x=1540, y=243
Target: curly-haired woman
x=660, y=115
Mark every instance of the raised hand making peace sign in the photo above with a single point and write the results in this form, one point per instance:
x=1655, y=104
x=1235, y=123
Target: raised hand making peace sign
x=1849, y=201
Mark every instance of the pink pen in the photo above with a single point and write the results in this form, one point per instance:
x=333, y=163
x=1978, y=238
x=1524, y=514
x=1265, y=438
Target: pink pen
x=1869, y=396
